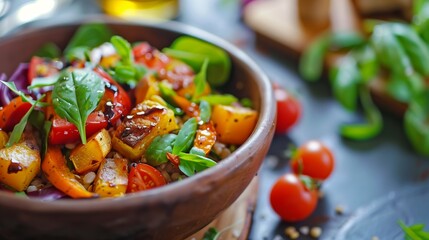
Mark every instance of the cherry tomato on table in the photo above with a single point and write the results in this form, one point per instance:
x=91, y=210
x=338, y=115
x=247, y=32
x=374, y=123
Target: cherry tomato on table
x=313, y=159
x=288, y=109
x=143, y=176
x=291, y=199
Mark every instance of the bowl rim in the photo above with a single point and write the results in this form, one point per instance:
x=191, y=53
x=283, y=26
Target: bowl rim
x=265, y=125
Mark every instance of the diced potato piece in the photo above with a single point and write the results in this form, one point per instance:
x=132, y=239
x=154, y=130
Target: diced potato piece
x=3, y=139
x=56, y=171
x=112, y=178
x=233, y=124
x=87, y=157
x=20, y=163
x=146, y=88
x=146, y=121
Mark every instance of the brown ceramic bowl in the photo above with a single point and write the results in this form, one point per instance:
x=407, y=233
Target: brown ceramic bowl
x=174, y=211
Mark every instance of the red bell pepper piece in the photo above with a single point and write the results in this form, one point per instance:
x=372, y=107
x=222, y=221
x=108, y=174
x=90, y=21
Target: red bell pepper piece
x=11, y=114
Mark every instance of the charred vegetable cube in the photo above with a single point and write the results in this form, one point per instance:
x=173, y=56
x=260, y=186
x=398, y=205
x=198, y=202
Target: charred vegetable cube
x=20, y=163
x=146, y=121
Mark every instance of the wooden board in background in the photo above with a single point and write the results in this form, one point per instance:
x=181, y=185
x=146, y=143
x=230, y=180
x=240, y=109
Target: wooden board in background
x=279, y=28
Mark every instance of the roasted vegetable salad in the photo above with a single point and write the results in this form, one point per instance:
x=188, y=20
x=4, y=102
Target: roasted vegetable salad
x=106, y=117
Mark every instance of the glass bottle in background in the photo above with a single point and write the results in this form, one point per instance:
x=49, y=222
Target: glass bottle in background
x=141, y=9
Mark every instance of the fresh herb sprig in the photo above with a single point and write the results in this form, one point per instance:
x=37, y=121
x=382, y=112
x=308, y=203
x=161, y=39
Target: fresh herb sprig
x=180, y=145
x=19, y=128
x=126, y=71
x=398, y=52
x=414, y=232
x=75, y=95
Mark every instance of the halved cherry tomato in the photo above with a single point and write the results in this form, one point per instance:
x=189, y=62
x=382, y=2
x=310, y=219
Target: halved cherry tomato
x=143, y=177
x=12, y=113
x=145, y=54
x=42, y=67
x=291, y=199
x=313, y=159
x=288, y=109
x=114, y=104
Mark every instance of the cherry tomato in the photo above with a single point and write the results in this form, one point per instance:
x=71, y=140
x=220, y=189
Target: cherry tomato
x=288, y=109
x=152, y=58
x=313, y=159
x=12, y=113
x=42, y=67
x=143, y=176
x=291, y=199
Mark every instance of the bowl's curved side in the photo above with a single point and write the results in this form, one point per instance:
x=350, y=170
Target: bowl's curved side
x=171, y=212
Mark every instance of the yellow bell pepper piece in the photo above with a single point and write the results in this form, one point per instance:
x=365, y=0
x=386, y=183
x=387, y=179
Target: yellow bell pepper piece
x=233, y=124
x=87, y=157
x=3, y=139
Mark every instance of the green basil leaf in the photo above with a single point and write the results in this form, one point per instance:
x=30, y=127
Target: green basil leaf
x=19, y=128
x=194, y=60
x=421, y=20
x=403, y=88
x=124, y=74
x=399, y=89
x=205, y=111
x=246, y=102
x=374, y=123
x=123, y=48
x=191, y=163
x=311, y=62
x=211, y=234
x=200, y=80
x=177, y=111
x=413, y=45
x=40, y=82
x=12, y=87
x=75, y=95
x=346, y=40
x=219, y=68
x=389, y=51
x=223, y=99
x=345, y=79
x=367, y=63
x=89, y=35
x=49, y=50
x=47, y=125
x=156, y=153
x=185, y=137
x=414, y=232
x=197, y=151
x=415, y=123
x=167, y=93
